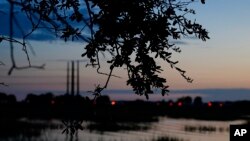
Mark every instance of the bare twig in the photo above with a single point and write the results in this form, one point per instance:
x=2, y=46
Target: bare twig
x=25, y=67
x=12, y=40
x=98, y=89
x=91, y=19
x=99, y=67
x=9, y=39
x=1, y=63
x=3, y=84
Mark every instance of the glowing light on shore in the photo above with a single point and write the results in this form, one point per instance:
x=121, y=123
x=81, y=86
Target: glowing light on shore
x=209, y=104
x=113, y=103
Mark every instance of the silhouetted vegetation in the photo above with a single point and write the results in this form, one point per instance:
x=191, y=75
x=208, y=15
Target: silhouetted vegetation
x=7, y=99
x=133, y=33
x=106, y=115
x=47, y=106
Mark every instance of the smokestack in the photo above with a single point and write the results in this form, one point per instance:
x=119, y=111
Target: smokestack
x=78, y=79
x=67, y=77
x=73, y=79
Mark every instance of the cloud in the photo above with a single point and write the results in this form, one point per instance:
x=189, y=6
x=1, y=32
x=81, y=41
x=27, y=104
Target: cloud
x=215, y=91
x=190, y=38
x=179, y=42
x=122, y=94
x=22, y=25
x=193, y=91
x=222, y=94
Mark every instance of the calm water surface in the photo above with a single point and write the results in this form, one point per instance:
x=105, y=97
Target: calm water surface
x=181, y=129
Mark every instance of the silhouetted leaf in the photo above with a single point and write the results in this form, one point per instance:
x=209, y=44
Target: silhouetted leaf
x=129, y=32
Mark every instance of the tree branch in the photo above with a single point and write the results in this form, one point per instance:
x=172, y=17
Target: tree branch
x=1, y=63
x=25, y=67
x=3, y=84
x=12, y=40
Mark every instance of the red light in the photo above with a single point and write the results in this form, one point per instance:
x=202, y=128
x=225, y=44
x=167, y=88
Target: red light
x=209, y=104
x=113, y=103
x=179, y=104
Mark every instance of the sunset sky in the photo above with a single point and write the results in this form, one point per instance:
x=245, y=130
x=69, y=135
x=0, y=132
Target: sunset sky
x=220, y=66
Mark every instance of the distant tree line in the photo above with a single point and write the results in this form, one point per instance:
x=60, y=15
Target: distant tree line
x=51, y=99
x=7, y=99
x=103, y=109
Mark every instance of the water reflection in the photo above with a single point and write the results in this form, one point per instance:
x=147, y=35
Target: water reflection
x=23, y=127
x=168, y=139
x=203, y=129
x=166, y=129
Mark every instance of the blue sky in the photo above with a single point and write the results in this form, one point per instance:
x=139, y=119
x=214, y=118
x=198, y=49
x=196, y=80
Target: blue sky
x=220, y=63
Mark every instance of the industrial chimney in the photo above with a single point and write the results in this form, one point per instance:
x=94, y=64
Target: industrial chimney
x=67, y=77
x=73, y=79
x=78, y=80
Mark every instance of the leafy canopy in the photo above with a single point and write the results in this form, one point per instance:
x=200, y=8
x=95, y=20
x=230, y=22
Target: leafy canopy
x=135, y=33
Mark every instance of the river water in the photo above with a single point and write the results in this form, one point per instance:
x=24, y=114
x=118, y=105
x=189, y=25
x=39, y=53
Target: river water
x=166, y=128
